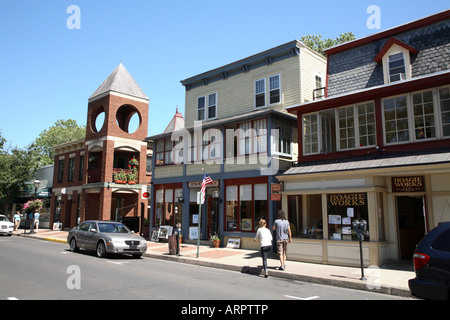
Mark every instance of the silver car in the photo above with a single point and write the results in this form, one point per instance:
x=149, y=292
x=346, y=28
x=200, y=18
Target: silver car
x=106, y=237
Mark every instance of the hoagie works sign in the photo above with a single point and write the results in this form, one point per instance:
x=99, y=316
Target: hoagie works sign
x=408, y=184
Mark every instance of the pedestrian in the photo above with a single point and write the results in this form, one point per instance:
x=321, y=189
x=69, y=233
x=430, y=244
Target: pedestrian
x=283, y=235
x=265, y=236
x=36, y=221
x=17, y=220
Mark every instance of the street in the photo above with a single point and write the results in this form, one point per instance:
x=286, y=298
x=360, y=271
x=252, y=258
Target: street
x=33, y=269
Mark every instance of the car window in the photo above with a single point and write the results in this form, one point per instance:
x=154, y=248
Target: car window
x=85, y=226
x=113, y=228
x=93, y=225
x=442, y=242
x=3, y=219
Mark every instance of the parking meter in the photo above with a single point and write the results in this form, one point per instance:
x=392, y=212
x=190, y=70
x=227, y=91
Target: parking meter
x=360, y=227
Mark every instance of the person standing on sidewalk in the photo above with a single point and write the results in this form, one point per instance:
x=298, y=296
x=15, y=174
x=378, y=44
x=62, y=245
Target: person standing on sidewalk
x=283, y=235
x=266, y=243
x=17, y=220
x=36, y=221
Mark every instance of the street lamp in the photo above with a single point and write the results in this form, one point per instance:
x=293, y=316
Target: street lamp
x=36, y=184
x=360, y=227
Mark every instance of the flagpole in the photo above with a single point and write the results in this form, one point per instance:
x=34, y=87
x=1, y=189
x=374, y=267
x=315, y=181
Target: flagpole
x=199, y=222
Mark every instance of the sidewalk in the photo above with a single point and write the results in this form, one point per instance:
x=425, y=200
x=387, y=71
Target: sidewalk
x=387, y=279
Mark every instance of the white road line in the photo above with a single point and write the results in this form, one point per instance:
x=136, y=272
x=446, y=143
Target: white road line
x=306, y=299
x=117, y=262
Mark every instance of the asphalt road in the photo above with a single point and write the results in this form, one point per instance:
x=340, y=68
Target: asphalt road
x=32, y=269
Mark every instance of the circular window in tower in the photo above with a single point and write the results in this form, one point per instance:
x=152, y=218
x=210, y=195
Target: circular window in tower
x=128, y=118
x=98, y=119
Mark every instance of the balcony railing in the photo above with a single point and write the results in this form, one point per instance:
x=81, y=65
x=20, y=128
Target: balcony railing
x=319, y=93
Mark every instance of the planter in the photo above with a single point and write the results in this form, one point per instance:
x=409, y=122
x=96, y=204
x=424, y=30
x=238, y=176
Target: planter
x=216, y=243
x=146, y=232
x=180, y=240
x=120, y=181
x=131, y=182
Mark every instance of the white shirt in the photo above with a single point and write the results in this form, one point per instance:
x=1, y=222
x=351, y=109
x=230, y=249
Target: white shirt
x=265, y=235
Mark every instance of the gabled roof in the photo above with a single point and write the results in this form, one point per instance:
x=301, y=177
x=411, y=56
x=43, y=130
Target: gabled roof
x=389, y=44
x=120, y=81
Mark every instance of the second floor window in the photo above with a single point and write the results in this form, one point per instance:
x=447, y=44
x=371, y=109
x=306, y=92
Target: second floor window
x=60, y=170
x=71, y=169
x=397, y=70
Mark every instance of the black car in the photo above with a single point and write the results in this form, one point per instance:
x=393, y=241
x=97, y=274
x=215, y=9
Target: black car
x=432, y=265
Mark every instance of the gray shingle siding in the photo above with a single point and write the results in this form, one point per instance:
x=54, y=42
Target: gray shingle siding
x=356, y=69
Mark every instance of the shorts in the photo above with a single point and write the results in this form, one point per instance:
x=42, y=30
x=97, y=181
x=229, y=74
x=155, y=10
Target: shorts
x=282, y=246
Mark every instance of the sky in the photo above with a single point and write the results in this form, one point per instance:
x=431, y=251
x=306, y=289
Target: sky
x=50, y=69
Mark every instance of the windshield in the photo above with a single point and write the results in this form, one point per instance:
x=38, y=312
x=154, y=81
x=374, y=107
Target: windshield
x=113, y=228
x=3, y=219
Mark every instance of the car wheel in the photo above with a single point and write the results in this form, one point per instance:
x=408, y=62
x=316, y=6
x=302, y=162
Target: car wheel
x=73, y=245
x=101, y=250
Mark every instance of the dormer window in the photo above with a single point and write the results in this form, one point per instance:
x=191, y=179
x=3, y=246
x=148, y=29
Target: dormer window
x=397, y=70
x=396, y=59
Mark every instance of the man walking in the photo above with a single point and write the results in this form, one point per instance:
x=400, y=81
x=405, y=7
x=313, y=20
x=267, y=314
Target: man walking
x=283, y=235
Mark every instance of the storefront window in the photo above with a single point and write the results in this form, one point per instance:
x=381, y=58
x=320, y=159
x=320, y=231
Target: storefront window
x=231, y=209
x=305, y=216
x=159, y=200
x=343, y=209
x=253, y=206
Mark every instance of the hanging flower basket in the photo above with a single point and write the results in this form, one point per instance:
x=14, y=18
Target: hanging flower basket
x=34, y=205
x=133, y=162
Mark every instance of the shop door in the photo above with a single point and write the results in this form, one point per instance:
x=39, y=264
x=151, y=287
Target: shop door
x=411, y=224
x=213, y=222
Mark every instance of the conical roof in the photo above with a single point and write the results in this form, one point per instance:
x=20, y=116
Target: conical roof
x=120, y=81
x=177, y=123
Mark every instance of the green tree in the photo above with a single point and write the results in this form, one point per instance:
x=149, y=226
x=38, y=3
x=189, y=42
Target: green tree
x=61, y=132
x=317, y=43
x=16, y=168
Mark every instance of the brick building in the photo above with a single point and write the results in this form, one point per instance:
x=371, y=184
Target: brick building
x=87, y=172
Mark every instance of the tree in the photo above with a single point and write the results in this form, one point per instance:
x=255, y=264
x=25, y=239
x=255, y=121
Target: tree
x=16, y=169
x=62, y=131
x=320, y=45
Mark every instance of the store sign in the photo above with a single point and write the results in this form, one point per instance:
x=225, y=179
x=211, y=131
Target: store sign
x=347, y=199
x=408, y=184
x=275, y=189
x=198, y=184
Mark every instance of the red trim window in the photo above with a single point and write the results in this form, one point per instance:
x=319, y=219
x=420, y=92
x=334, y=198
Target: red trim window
x=164, y=149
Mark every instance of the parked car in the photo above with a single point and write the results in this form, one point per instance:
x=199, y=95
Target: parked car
x=6, y=226
x=432, y=265
x=106, y=237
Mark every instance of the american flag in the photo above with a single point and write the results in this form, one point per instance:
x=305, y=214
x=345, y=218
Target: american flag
x=206, y=180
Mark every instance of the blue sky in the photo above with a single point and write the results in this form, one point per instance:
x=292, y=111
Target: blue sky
x=49, y=71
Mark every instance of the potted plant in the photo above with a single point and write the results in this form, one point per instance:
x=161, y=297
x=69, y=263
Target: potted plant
x=132, y=176
x=215, y=240
x=180, y=238
x=34, y=205
x=146, y=228
x=120, y=176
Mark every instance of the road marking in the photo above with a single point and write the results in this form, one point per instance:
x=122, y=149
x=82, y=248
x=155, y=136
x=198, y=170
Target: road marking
x=12, y=298
x=117, y=262
x=306, y=299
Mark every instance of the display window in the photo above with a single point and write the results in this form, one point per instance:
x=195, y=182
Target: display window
x=246, y=203
x=343, y=209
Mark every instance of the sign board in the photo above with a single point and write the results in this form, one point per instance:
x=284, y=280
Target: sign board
x=408, y=184
x=275, y=189
x=234, y=243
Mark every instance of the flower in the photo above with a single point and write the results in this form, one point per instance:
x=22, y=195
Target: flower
x=35, y=205
x=134, y=162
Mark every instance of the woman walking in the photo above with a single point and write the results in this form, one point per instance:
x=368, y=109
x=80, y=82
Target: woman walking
x=266, y=243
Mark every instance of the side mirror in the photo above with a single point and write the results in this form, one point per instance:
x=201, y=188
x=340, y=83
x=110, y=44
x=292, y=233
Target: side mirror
x=93, y=230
